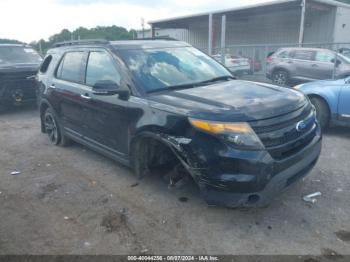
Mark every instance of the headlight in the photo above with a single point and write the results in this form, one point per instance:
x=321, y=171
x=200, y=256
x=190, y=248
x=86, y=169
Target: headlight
x=239, y=135
x=297, y=86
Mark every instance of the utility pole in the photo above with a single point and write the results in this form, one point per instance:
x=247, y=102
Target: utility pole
x=302, y=23
x=210, y=34
x=143, y=27
x=223, y=39
x=40, y=48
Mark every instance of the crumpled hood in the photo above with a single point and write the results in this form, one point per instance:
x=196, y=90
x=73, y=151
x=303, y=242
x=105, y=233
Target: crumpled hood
x=235, y=100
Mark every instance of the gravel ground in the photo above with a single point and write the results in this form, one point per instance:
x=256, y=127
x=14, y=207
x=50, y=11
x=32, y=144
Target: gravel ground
x=74, y=201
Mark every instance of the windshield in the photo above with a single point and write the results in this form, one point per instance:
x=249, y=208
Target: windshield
x=161, y=69
x=18, y=55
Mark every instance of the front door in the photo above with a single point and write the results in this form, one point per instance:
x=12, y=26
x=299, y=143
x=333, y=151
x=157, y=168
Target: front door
x=106, y=115
x=324, y=65
x=303, y=61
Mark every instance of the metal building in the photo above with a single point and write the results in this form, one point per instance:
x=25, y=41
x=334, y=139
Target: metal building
x=283, y=22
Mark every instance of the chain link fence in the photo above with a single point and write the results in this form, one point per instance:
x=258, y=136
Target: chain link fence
x=256, y=57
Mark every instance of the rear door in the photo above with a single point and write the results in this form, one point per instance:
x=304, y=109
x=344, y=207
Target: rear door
x=344, y=102
x=106, y=116
x=303, y=63
x=323, y=65
x=68, y=90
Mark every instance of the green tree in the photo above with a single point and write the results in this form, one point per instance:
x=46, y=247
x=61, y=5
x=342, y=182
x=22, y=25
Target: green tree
x=110, y=33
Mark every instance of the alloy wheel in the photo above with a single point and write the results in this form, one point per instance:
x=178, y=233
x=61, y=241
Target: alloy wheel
x=280, y=78
x=51, y=128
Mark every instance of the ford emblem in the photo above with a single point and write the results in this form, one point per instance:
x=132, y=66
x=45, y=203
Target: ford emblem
x=300, y=126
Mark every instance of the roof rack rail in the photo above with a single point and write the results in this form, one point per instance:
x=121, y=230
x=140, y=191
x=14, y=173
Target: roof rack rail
x=158, y=38
x=81, y=42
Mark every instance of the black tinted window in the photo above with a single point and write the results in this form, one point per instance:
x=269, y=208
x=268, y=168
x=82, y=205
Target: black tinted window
x=101, y=67
x=71, y=67
x=302, y=54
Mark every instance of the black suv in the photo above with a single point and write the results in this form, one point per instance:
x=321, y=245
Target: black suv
x=18, y=66
x=161, y=105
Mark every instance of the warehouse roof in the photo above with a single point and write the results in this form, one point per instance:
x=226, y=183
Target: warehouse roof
x=249, y=7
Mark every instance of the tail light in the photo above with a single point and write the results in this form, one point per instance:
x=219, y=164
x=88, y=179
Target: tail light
x=269, y=59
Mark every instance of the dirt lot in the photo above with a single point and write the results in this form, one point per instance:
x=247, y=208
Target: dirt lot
x=74, y=201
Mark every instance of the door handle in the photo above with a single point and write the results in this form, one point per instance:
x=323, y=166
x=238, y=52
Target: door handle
x=314, y=65
x=86, y=97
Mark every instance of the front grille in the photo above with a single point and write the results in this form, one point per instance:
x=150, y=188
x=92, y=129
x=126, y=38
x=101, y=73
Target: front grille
x=17, y=84
x=282, y=139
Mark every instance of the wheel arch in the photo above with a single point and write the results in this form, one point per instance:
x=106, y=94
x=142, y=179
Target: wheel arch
x=44, y=105
x=325, y=100
x=148, y=137
x=280, y=68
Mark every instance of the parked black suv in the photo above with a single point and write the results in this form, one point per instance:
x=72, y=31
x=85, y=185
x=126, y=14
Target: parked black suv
x=18, y=66
x=159, y=105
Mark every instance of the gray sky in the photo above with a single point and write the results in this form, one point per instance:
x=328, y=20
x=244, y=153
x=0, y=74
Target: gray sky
x=29, y=20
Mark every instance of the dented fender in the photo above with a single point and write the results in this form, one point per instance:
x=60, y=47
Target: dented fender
x=179, y=145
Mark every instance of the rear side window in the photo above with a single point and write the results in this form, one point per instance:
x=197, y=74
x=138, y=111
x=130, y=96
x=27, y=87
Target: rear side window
x=303, y=55
x=322, y=56
x=101, y=67
x=70, y=68
x=45, y=65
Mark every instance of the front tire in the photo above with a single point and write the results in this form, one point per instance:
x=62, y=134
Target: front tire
x=280, y=77
x=322, y=112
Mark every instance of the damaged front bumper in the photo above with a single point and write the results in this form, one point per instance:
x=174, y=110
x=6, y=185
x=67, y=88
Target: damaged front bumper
x=234, y=178
x=17, y=92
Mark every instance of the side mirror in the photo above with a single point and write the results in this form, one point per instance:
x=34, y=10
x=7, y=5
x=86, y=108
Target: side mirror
x=337, y=62
x=105, y=87
x=108, y=88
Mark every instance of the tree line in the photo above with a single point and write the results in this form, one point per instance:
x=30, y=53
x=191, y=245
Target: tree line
x=109, y=33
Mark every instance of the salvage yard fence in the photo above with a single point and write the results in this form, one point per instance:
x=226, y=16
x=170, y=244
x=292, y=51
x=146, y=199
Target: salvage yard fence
x=258, y=54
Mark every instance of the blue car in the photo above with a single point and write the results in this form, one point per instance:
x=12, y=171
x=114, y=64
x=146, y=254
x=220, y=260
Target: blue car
x=331, y=99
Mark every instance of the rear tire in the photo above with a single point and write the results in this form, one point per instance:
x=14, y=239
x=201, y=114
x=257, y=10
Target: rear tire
x=53, y=129
x=322, y=112
x=280, y=77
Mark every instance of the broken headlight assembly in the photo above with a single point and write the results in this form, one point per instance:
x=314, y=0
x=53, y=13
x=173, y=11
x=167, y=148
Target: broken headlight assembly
x=237, y=135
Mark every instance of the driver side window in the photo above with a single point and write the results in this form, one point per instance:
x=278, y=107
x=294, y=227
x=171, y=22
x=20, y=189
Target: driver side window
x=101, y=67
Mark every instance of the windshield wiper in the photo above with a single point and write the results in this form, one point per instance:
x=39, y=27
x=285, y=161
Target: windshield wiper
x=219, y=78
x=191, y=85
x=176, y=87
